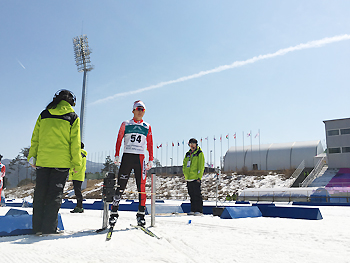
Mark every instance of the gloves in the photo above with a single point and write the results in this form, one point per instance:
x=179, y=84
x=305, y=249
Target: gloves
x=116, y=160
x=32, y=162
x=149, y=165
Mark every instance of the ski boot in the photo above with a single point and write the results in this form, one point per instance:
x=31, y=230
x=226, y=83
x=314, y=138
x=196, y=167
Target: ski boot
x=140, y=217
x=113, y=218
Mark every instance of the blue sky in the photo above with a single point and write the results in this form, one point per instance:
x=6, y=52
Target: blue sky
x=139, y=44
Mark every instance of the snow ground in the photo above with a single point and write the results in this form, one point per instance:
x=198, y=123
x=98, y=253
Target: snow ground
x=205, y=239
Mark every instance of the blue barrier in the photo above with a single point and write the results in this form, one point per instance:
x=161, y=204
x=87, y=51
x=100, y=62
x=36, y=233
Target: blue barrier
x=321, y=204
x=19, y=222
x=290, y=212
x=240, y=212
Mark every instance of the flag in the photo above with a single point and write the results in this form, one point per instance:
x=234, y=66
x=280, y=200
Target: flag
x=178, y=144
x=183, y=142
x=173, y=144
x=234, y=136
x=220, y=138
x=206, y=138
x=257, y=135
x=159, y=146
x=201, y=139
x=214, y=138
x=227, y=136
x=248, y=134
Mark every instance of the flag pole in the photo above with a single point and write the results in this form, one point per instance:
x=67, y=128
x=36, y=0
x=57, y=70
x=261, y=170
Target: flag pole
x=243, y=150
x=259, y=150
x=235, y=148
x=221, y=151
x=251, y=149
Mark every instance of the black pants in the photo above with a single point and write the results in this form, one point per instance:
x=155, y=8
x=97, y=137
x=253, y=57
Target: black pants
x=131, y=161
x=78, y=194
x=194, y=191
x=48, y=198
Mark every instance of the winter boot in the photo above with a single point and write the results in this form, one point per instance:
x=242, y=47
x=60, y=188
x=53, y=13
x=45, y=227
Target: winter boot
x=140, y=217
x=77, y=210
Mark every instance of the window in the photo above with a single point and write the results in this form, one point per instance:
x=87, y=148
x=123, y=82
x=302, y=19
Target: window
x=332, y=132
x=333, y=150
x=344, y=131
x=345, y=149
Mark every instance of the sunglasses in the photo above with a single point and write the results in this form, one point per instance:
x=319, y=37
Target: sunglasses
x=140, y=109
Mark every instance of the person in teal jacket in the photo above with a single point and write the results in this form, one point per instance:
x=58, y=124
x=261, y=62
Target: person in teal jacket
x=193, y=169
x=55, y=148
x=78, y=178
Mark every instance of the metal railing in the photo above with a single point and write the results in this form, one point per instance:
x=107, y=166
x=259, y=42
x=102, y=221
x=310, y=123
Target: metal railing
x=314, y=173
x=296, y=173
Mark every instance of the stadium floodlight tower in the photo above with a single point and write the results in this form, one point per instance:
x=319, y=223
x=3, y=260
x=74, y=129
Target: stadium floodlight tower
x=82, y=60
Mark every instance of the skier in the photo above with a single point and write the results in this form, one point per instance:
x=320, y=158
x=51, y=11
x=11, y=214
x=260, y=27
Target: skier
x=78, y=178
x=55, y=147
x=136, y=134
x=2, y=175
x=193, y=168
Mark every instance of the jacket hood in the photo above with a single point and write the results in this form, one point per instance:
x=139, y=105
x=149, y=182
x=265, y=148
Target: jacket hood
x=63, y=107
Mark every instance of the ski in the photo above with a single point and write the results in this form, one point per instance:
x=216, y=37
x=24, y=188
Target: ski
x=109, y=234
x=145, y=230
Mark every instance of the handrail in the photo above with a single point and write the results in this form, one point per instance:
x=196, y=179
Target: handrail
x=296, y=173
x=314, y=173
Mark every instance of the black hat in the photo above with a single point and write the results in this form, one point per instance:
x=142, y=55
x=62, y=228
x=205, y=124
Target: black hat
x=193, y=140
x=0, y=157
x=66, y=95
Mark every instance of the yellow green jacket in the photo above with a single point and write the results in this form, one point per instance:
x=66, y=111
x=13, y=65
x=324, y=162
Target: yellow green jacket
x=55, y=140
x=193, y=165
x=80, y=174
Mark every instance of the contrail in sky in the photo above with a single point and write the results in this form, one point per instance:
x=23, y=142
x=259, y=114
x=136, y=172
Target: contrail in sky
x=21, y=64
x=236, y=64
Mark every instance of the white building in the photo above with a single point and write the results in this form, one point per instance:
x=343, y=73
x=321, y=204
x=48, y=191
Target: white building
x=338, y=143
x=274, y=156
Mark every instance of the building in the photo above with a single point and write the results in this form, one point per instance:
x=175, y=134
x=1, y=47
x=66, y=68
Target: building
x=338, y=143
x=274, y=156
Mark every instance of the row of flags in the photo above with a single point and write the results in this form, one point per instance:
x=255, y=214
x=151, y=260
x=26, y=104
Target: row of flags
x=207, y=138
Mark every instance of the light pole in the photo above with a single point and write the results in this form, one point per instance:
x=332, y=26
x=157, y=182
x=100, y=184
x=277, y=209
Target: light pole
x=82, y=60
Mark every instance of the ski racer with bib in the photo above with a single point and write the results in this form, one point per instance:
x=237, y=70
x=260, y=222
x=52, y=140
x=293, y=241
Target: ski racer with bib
x=136, y=134
x=2, y=175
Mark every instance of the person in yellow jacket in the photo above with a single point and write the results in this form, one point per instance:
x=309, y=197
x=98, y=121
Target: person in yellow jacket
x=78, y=178
x=193, y=169
x=55, y=148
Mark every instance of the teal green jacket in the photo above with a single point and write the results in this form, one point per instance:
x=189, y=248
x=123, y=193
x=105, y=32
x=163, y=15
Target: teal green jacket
x=80, y=174
x=193, y=165
x=55, y=140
